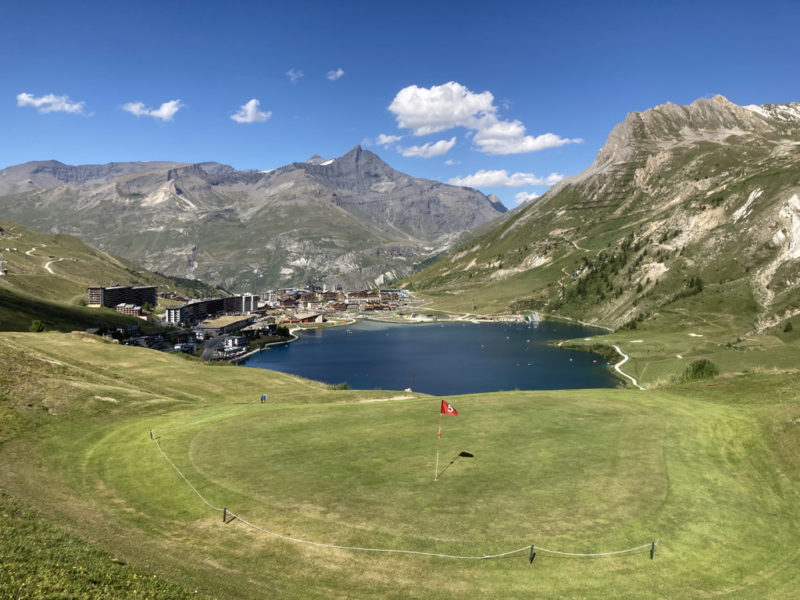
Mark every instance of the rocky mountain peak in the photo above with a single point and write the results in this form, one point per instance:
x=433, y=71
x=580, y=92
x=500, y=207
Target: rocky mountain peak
x=362, y=158
x=711, y=119
x=215, y=168
x=498, y=204
x=358, y=170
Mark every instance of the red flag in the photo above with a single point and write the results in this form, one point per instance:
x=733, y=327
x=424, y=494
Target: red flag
x=447, y=409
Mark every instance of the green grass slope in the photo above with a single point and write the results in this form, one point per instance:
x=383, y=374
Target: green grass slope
x=48, y=275
x=19, y=310
x=708, y=469
x=40, y=561
x=73, y=266
x=663, y=347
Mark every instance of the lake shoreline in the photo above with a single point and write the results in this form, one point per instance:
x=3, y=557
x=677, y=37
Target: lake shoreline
x=454, y=317
x=494, y=356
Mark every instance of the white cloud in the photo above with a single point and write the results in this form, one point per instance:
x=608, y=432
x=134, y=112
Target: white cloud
x=294, y=75
x=382, y=139
x=523, y=197
x=501, y=178
x=385, y=140
x=334, y=75
x=441, y=107
x=430, y=149
x=50, y=103
x=428, y=110
x=249, y=113
x=450, y=162
x=508, y=137
x=165, y=112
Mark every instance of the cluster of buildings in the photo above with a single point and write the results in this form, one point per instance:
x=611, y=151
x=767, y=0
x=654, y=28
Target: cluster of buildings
x=213, y=317
x=124, y=299
x=304, y=305
x=330, y=301
x=197, y=310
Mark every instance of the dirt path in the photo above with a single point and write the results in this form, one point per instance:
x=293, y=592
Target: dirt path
x=625, y=358
x=50, y=262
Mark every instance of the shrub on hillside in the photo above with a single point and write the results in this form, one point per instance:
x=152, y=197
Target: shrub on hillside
x=700, y=369
x=788, y=327
x=36, y=326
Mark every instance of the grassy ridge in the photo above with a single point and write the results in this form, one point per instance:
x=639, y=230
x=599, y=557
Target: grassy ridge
x=710, y=470
x=18, y=310
x=48, y=275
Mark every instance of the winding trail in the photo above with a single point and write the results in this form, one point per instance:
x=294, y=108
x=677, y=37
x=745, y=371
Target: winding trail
x=625, y=358
x=35, y=248
x=50, y=262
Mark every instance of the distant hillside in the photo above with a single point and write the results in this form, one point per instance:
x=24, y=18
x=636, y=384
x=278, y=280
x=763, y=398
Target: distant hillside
x=686, y=210
x=352, y=220
x=47, y=276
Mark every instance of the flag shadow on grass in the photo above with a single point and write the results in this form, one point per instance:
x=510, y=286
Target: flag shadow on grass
x=463, y=454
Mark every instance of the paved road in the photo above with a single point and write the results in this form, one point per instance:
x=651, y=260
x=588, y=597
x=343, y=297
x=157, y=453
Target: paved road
x=211, y=346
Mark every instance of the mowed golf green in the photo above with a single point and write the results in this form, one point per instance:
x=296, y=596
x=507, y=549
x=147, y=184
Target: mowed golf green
x=710, y=471
x=364, y=473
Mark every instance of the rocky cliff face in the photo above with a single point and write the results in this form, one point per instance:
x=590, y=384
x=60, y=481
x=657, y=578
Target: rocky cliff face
x=678, y=195
x=351, y=220
x=707, y=119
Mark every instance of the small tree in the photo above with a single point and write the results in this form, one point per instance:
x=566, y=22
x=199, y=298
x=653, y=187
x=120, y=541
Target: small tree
x=36, y=326
x=788, y=327
x=700, y=369
x=339, y=386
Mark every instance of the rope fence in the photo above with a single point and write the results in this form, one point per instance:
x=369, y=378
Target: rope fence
x=531, y=548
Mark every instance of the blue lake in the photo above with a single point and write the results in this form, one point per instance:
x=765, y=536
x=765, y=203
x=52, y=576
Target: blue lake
x=441, y=359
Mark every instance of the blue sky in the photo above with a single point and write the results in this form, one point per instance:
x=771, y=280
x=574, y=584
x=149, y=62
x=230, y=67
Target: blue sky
x=507, y=96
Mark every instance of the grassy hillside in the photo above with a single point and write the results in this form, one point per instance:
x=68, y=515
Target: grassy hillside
x=60, y=267
x=662, y=348
x=680, y=217
x=709, y=469
x=18, y=311
x=48, y=275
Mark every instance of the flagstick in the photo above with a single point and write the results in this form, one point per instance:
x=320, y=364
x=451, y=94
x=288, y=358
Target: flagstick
x=438, y=443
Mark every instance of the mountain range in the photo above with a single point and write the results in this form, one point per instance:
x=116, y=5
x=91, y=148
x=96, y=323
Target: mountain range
x=352, y=220
x=685, y=210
